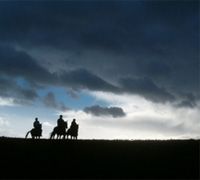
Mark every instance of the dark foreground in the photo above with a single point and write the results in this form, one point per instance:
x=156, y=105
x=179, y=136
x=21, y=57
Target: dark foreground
x=27, y=158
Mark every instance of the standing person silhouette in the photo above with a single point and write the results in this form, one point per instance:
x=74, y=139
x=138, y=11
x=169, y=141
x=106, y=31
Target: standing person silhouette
x=36, y=123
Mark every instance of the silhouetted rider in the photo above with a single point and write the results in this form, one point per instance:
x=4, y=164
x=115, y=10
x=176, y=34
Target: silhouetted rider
x=60, y=121
x=36, y=123
x=37, y=127
x=73, y=124
x=61, y=124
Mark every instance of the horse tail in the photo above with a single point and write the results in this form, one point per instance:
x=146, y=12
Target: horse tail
x=27, y=134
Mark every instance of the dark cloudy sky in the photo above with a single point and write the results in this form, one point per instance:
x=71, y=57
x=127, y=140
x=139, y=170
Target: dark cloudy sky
x=123, y=69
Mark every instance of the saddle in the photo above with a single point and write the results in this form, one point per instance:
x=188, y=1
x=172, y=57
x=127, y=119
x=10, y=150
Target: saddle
x=61, y=129
x=38, y=130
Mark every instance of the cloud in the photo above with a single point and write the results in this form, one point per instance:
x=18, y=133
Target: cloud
x=72, y=94
x=188, y=100
x=105, y=111
x=186, y=104
x=83, y=79
x=20, y=64
x=147, y=121
x=6, y=101
x=4, y=122
x=146, y=88
x=10, y=89
x=98, y=52
x=47, y=124
x=113, y=26
x=49, y=101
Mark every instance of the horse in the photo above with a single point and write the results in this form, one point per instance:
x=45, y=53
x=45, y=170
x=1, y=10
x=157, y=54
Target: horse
x=59, y=131
x=73, y=132
x=35, y=132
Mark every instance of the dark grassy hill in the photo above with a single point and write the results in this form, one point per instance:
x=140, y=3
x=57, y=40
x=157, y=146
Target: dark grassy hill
x=27, y=158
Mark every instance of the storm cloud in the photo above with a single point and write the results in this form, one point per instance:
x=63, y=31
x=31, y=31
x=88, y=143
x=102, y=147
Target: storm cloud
x=146, y=88
x=50, y=101
x=119, y=47
x=105, y=111
x=9, y=88
x=17, y=64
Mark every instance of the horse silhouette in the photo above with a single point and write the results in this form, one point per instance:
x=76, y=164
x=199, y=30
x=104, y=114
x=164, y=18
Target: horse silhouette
x=73, y=132
x=35, y=132
x=59, y=131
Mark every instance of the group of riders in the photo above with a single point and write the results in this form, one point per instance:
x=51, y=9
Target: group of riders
x=60, y=130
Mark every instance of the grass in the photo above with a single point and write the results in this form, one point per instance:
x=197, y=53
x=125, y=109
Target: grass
x=44, y=158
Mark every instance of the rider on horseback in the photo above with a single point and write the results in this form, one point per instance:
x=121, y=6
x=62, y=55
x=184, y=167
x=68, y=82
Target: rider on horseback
x=36, y=123
x=36, y=132
x=37, y=126
x=73, y=124
x=61, y=123
x=73, y=130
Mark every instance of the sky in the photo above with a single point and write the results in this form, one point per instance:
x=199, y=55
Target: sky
x=122, y=69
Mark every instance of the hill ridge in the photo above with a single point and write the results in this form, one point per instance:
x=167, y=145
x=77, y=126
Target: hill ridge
x=171, y=159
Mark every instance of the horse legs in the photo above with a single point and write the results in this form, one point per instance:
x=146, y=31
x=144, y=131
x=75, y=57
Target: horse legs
x=52, y=135
x=32, y=135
